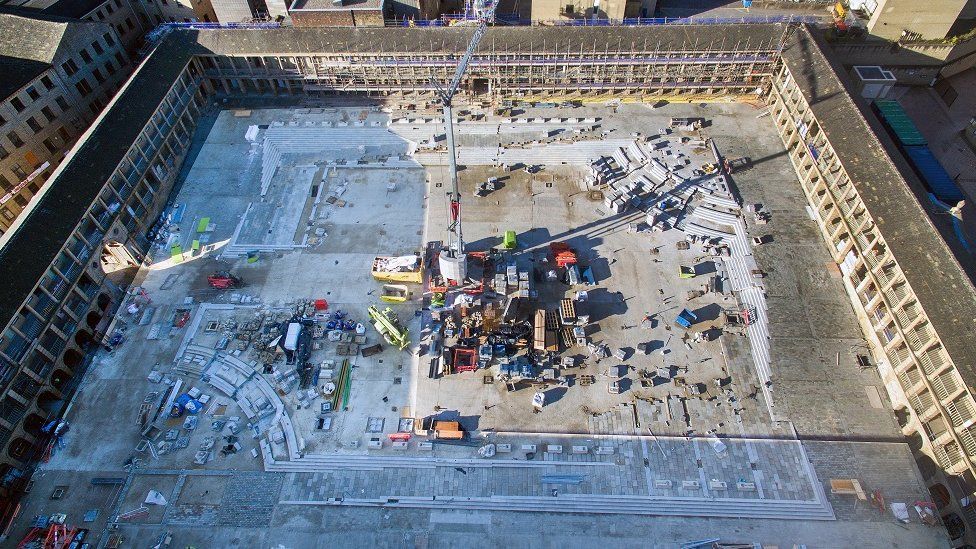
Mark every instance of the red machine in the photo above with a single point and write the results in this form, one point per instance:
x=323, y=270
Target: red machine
x=562, y=254
x=223, y=280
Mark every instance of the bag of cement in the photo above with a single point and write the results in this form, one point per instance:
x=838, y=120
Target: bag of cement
x=487, y=451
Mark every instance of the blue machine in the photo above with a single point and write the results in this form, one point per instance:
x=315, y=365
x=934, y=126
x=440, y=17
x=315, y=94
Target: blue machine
x=686, y=318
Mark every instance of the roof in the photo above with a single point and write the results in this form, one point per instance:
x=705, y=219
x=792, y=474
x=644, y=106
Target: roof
x=296, y=40
x=31, y=43
x=329, y=5
x=39, y=233
x=75, y=9
x=899, y=122
x=941, y=282
x=18, y=73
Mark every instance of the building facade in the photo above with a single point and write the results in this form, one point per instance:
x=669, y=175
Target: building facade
x=915, y=312
x=44, y=346
x=58, y=76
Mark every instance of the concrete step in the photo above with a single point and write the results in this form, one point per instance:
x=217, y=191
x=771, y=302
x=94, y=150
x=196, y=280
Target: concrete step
x=574, y=503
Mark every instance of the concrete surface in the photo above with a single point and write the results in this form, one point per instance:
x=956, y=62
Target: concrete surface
x=833, y=429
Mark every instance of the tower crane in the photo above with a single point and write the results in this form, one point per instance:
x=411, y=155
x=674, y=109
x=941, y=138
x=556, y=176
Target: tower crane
x=452, y=260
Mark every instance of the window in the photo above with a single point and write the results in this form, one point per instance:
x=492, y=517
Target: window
x=20, y=200
x=109, y=9
x=97, y=47
x=50, y=146
x=34, y=187
x=109, y=67
x=33, y=124
x=85, y=56
x=62, y=104
x=18, y=171
x=120, y=59
x=118, y=3
x=98, y=76
x=120, y=29
x=63, y=134
x=107, y=37
x=2, y=120
x=128, y=23
x=84, y=88
x=3, y=153
x=100, y=16
x=18, y=104
x=46, y=81
x=4, y=182
x=32, y=93
x=69, y=67
x=15, y=139
x=48, y=113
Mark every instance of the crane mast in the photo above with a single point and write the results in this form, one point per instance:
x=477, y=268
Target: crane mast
x=452, y=260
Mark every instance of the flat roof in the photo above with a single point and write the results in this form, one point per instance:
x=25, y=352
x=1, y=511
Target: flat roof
x=941, y=280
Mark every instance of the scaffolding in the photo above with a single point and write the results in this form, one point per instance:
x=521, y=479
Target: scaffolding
x=509, y=66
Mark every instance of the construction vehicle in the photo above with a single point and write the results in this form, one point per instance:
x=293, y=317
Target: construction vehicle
x=452, y=260
x=224, y=280
x=387, y=324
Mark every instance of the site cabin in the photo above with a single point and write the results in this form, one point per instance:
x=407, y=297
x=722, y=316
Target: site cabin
x=447, y=430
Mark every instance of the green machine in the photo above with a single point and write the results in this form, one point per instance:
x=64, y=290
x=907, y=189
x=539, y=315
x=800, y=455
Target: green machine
x=509, y=242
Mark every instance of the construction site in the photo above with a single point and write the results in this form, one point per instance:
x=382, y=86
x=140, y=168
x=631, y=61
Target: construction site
x=410, y=290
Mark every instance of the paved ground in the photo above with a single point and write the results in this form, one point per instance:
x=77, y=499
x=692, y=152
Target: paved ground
x=813, y=345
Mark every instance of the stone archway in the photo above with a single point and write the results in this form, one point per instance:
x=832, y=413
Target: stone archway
x=903, y=416
x=915, y=441
x=33, y=424
x=73, y=359
x=940, y=495
x=83, y=338
x=926, y=466
x=92, y=319
x=47, y=401
x=954, y=525
x=20, y=449
x=60, y=379
x=103, y=301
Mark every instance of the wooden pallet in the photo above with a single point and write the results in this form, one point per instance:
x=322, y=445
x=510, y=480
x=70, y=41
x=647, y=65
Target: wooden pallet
x=567, y=310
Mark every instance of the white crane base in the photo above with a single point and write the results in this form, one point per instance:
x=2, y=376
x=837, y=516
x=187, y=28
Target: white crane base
x=453, y=267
